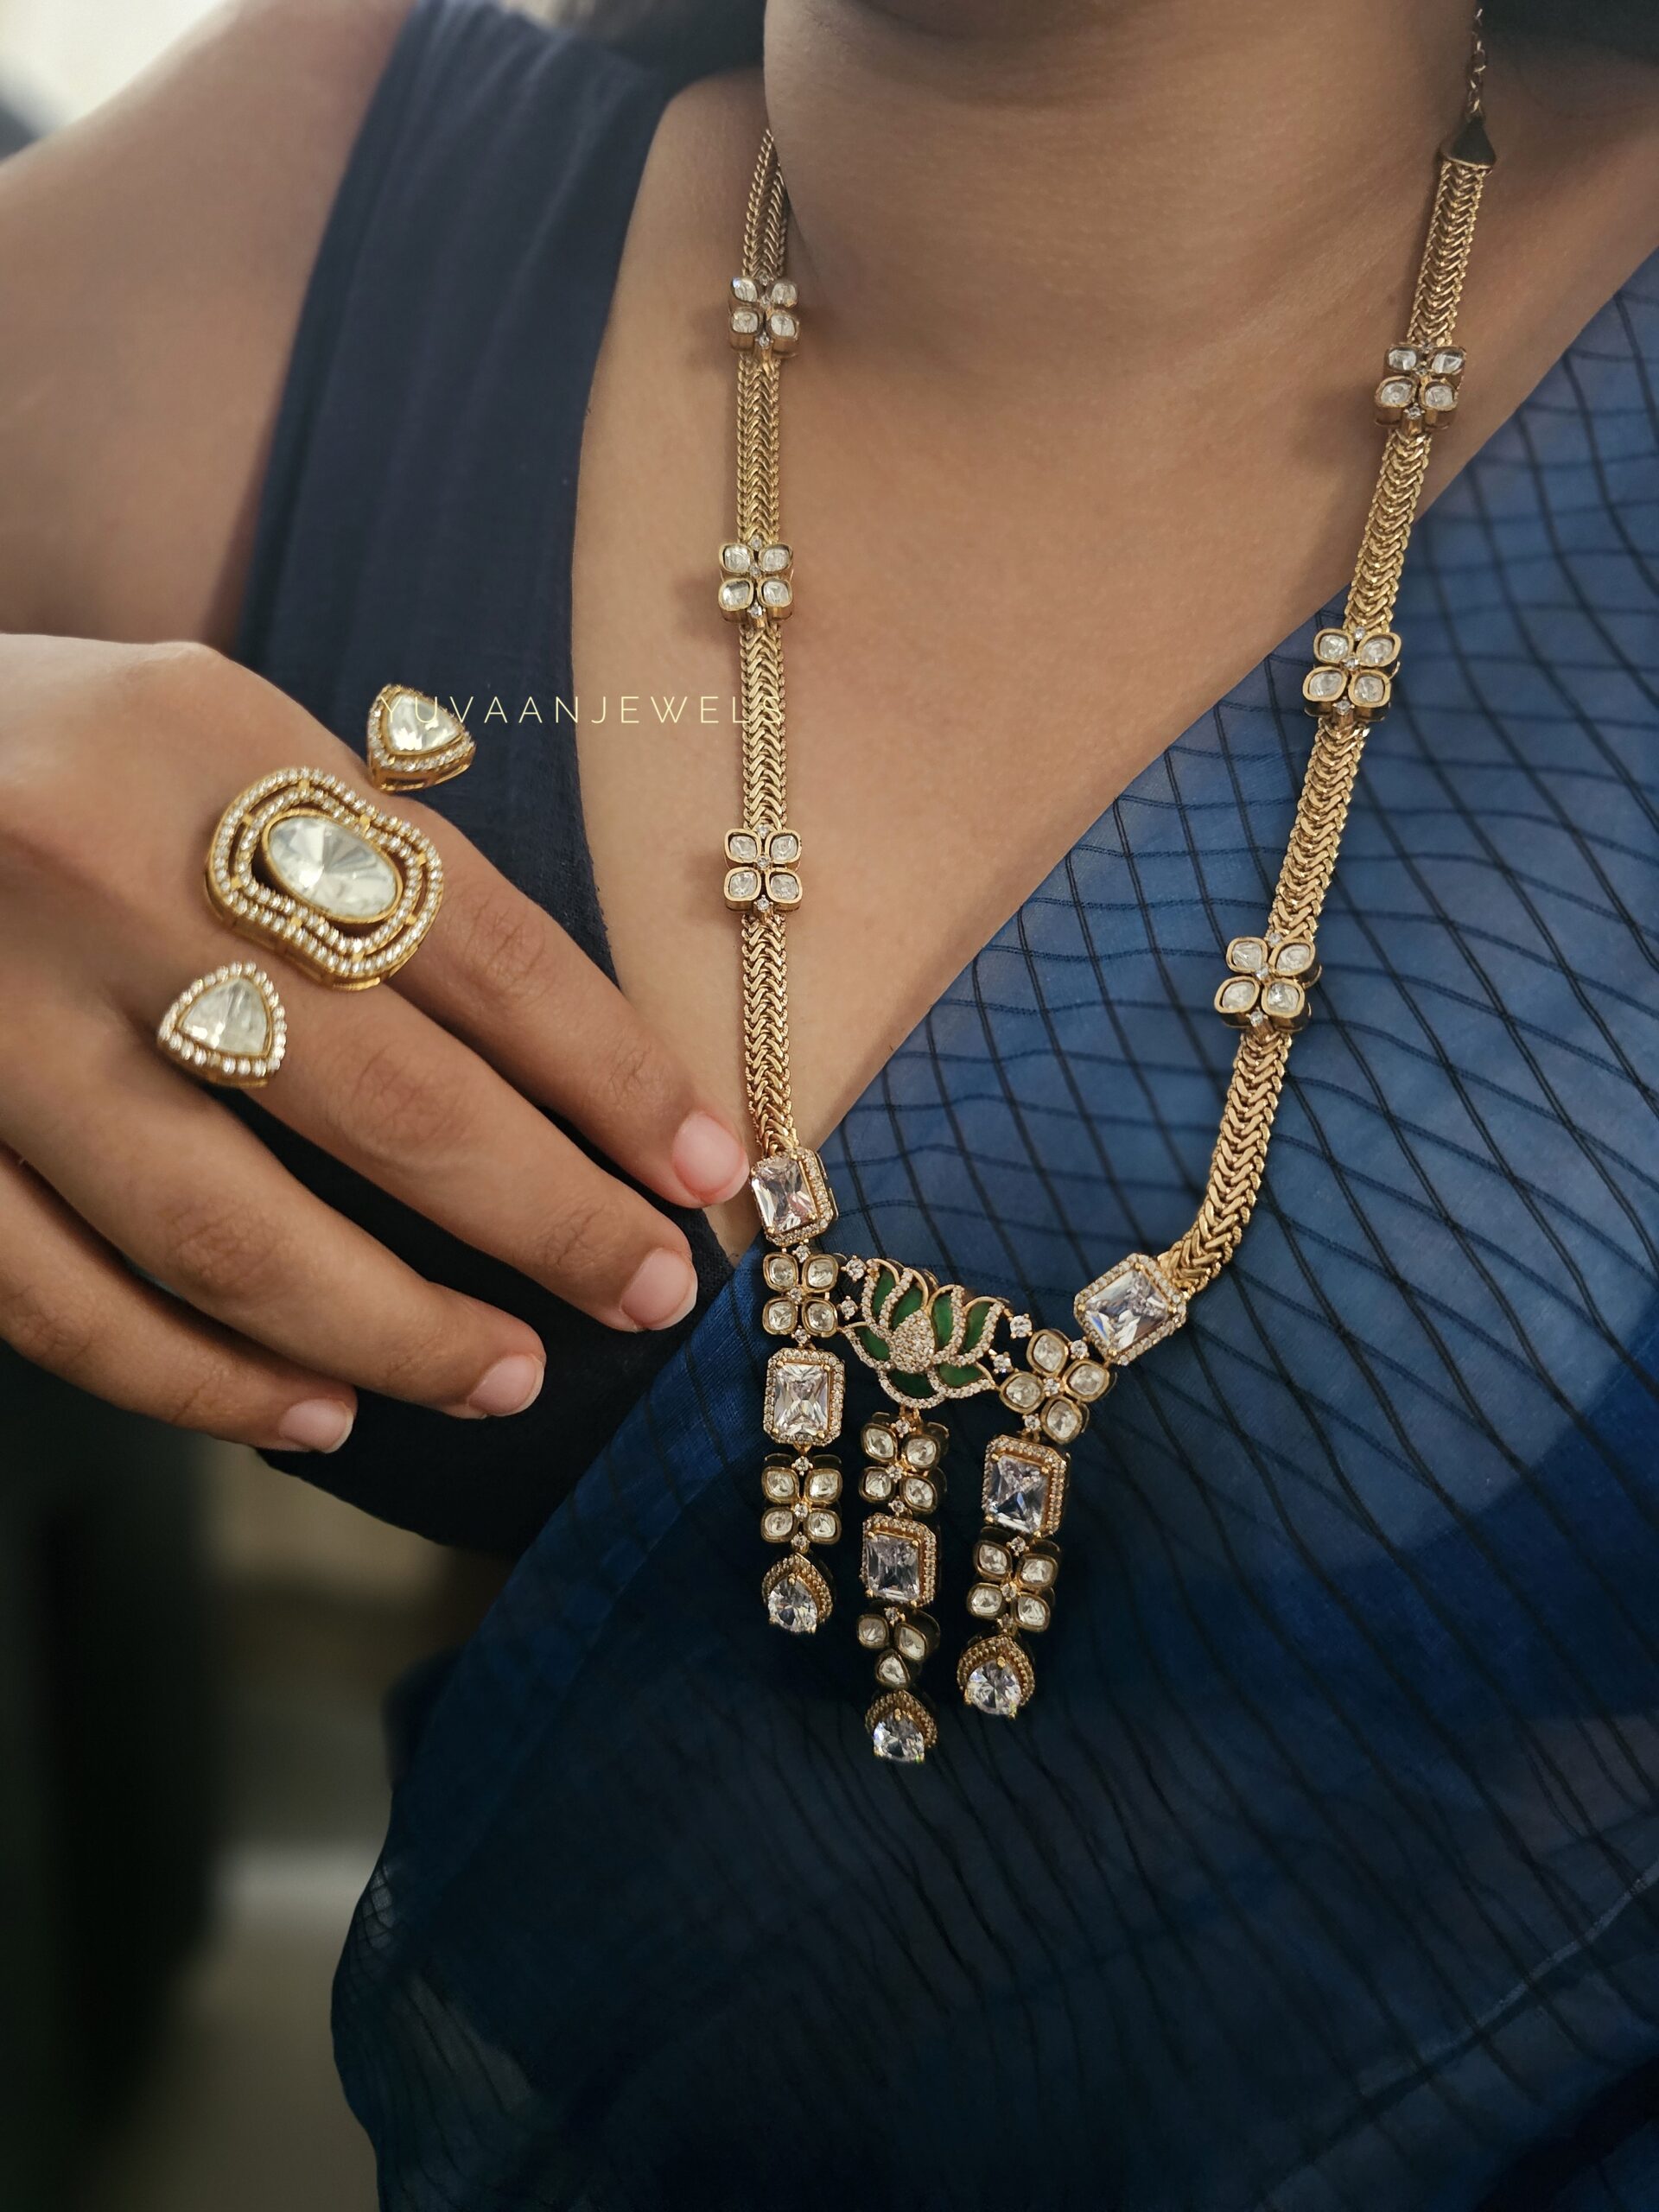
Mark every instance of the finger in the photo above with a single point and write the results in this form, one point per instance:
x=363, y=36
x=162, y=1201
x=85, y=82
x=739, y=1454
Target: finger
x=68, y=1304
x=500, y=974
x=164, y=1172
x=371, y=1080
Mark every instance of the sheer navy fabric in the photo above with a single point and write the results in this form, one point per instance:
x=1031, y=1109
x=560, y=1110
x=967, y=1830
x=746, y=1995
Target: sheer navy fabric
x=1319, y=1874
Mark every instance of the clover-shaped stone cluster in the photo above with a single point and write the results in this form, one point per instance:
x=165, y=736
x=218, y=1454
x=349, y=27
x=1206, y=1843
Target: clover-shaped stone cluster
x=1064, y=1380
x=755, y=580
x=762, y=870
x=765, y=318
x=1419, y=385
x=1270, y=979
x=1352, y=678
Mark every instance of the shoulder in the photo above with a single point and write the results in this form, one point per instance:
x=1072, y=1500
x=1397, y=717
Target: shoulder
x=155, y=258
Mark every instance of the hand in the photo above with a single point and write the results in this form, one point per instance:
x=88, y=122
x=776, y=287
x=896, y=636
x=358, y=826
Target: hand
x=116, y=762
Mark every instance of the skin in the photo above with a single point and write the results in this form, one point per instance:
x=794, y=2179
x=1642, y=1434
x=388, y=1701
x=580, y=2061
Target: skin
x=1094, y=302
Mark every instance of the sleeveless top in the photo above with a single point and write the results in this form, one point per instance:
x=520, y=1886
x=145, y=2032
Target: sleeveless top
x=416, y=528
x=1319, y=1874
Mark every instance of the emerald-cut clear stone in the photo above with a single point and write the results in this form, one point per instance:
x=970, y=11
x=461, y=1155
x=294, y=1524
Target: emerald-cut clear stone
x=331, y=868
x=1127, y=1309
x=230, y=1018
x=783, y=1196
x=800, y=1402
x=1016, y=1493
x=893, y=1567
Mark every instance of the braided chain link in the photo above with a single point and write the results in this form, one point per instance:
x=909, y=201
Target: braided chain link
x=1253, y=1092
x=760, y=663
x=1240, y=1157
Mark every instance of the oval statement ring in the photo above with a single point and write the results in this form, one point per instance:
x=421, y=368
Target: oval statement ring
x=302, y=863
x=227, y=1027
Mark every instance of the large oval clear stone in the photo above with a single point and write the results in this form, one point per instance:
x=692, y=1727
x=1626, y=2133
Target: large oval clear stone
x=230, y=1017
x=418, y=725
x=331, y=868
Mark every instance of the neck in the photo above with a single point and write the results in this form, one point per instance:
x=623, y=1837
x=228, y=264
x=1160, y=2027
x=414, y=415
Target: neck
x=1106, y=175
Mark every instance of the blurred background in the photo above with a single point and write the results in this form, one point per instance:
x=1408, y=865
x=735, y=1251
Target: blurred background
x=193, y=1651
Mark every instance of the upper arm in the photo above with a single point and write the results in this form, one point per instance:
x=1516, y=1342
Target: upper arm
x=152, y=262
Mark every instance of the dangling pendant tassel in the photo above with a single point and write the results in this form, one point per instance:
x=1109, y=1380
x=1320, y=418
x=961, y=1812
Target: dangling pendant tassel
x=904, y=1478
x=806, y=1387
x=1016, y=1563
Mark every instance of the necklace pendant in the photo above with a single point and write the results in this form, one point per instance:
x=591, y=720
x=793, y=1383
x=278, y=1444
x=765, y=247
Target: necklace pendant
x=904, y=1480
x=1022, y=1497
x=805, y=1390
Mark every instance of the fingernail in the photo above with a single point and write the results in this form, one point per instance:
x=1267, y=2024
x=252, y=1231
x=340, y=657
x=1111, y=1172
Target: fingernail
x=316, y=1425
x=508, y=1387
x=708, y=1158
x=663, y=1290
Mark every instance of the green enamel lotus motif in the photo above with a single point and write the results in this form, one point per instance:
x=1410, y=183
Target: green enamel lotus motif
x=927, y=1342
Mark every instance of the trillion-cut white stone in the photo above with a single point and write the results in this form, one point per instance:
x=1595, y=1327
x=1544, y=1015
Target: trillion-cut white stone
x=331, y=868
x=994, y=1688
x=899, y=1738
x=791, y=1606
x=230, y=1017
x=418, y=725
x=1016, y=1493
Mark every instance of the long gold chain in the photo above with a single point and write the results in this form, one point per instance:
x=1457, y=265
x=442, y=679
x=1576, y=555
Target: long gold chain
x=929, y=1342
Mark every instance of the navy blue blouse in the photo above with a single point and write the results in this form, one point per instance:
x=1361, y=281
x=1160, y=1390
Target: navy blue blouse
x=1320, y=1873
x=417, y=527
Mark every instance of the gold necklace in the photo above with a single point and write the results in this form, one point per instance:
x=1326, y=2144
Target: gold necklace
x=928, y=1343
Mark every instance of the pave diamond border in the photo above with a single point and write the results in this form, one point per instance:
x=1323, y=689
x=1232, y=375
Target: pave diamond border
x=229, y=1071
x=347, y=959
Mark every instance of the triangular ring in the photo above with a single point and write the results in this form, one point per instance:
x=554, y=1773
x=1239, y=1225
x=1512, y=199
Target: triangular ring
x=228, y=1027
x=413, y=742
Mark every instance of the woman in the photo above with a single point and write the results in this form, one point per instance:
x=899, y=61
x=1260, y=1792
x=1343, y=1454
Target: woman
x=1318, y=1873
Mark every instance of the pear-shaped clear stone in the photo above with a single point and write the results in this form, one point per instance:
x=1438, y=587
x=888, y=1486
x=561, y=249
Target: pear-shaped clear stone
x=331, y=868
x=418, y=725
x=230, y=1017
x=994, y=1689
x=791, y=1606
x=899, y=1738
